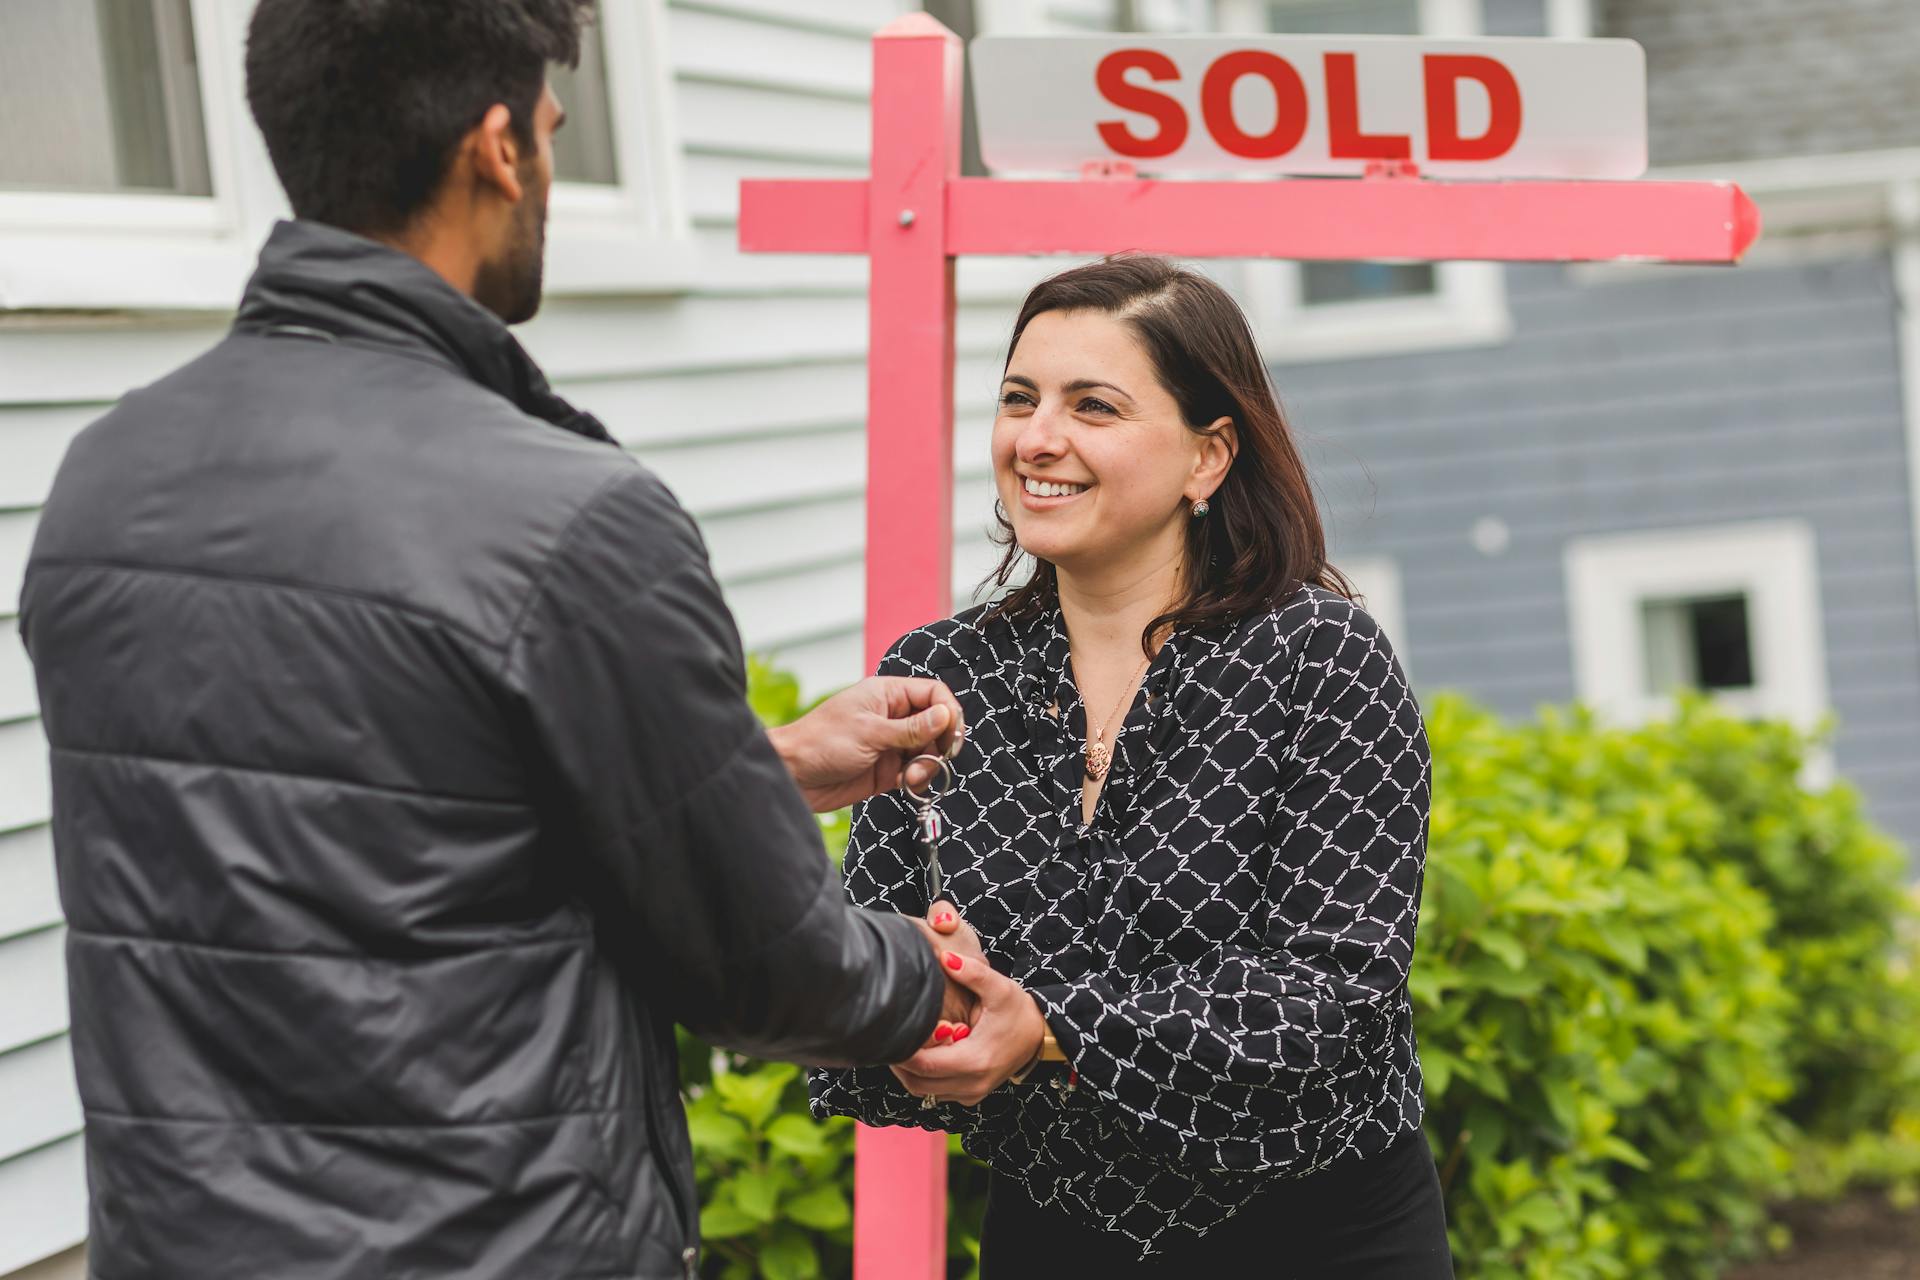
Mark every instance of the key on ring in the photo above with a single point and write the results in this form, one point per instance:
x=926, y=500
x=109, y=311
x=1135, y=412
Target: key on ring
x=927, y=824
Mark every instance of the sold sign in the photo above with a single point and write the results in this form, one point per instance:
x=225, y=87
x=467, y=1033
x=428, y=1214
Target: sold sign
x=1314, y=104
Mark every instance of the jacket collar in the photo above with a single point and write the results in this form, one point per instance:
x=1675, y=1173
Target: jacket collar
x=315, y=277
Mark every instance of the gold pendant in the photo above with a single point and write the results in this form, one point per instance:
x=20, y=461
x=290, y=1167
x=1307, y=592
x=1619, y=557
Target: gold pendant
x=1097, y=759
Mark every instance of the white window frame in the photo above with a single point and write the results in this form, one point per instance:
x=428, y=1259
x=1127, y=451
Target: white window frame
x=1771, y=562
x=142, y=251
x=139, y=250
x=1468, y=305
x=634, y=236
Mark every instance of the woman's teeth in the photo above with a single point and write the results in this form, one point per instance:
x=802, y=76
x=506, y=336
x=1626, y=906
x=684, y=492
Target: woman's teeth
x=1042, y=489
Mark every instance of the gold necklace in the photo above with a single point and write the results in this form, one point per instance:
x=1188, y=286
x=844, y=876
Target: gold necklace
x=1098, y=758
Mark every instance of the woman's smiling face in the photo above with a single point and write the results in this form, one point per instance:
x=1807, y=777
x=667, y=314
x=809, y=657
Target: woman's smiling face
x=1091, y=458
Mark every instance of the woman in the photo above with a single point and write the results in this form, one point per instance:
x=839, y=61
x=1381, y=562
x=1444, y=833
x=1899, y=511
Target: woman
x=1189, y=831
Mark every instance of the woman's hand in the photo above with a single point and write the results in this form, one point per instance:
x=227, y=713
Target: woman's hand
x=1005, y=1036
x=946, y=930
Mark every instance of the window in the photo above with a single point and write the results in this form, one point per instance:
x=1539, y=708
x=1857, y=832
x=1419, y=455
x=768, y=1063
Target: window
x=1697, y=642
x=102, y=96
x=1732, y=611
x=1326, y=310
x=583, y=150
x=133, y=177
x=618, y=224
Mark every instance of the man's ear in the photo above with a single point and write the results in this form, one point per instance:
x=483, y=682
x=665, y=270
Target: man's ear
x=493, y=151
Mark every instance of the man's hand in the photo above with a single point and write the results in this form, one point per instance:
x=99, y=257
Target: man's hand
x=1006, y=1037
x=856, y=743
x=946, y=931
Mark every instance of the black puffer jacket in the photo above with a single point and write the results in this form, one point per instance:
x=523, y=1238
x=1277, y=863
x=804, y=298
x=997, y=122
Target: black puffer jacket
x=405, y=795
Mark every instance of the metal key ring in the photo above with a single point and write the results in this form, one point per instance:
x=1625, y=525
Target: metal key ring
x=931, y=794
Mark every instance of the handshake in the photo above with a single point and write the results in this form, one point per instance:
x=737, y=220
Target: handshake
x=989, y=1030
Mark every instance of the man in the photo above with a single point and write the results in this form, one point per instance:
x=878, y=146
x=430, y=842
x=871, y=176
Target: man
x=405, y=789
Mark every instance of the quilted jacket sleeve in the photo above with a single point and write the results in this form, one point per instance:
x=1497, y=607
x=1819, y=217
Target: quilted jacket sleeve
x=1237, y=1061
x=687, y=834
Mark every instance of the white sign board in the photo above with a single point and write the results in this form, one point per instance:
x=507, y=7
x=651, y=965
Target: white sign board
x=1313, y=104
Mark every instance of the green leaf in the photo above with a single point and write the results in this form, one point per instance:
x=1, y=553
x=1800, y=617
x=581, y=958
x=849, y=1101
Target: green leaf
x=797, y=1135
x=720, y=1220
x=754, y=1095
x=756, y=1192
x=823, y=1208
x=717, y=1134
x=789, y=1256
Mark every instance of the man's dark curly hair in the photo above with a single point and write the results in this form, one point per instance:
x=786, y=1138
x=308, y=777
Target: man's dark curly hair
x=362, y=101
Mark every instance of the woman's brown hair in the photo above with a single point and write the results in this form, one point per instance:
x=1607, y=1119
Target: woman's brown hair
x=1261, y=538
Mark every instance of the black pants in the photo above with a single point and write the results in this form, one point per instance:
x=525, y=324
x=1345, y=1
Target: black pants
x=1375, y=1219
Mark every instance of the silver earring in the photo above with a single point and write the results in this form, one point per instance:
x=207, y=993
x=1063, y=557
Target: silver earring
x=1200, y=509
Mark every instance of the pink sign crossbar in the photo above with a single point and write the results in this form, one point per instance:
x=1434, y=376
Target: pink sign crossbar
x=914, y=214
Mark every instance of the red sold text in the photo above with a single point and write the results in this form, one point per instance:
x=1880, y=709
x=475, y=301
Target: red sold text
x=1442, y=75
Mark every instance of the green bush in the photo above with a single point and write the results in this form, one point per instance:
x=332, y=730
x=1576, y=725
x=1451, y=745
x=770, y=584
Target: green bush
x=1659, y=985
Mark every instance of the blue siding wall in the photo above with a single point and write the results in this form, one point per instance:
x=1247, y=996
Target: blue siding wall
x=1649, y=400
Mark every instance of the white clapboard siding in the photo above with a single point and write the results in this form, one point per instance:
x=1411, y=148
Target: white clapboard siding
x=28, y=899
x=25, y=796
x=854, y=19
x=16, y=673
x=43, y=1203
x=42, y=1070
x=34, y=438
x=93, y=364
x=16, y=539
x=754, y=120
x=33, y=1000
x=715, y=478
x=724, y=45
x=720, y=403
x=611, y=338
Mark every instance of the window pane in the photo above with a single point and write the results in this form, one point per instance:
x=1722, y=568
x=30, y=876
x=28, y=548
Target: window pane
x=1345, y=17
x=1700, y=643
x=583, y=149
x=1323, y=282
x=101, y=95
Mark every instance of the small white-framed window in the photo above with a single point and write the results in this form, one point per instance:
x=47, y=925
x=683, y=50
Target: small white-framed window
x=618, y=221
x=1377, y=579
x=1307, y=311
x=136, y=179
x=1730, y=610
x=123, y=183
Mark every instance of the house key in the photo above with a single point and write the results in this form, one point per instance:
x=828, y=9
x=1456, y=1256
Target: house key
x=927, y=825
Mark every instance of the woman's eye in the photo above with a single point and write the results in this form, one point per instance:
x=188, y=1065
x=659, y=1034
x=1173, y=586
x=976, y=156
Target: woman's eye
x=1008, y=398
x=1090, y=405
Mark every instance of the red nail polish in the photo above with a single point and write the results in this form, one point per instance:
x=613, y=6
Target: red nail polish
x=961, y=1032
x=942, y=1032
x=946, y=917
x=953, y=961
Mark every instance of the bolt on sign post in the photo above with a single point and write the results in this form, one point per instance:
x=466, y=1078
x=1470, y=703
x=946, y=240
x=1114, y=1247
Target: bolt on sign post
x=1495, y=149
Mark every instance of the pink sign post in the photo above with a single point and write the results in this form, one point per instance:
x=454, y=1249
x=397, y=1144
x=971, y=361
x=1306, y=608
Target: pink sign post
x=914, y=214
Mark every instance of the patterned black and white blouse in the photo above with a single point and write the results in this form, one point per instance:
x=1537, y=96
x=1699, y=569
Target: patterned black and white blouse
x=1222, y=953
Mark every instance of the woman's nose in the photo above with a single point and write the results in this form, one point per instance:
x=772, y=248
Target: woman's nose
x=1040, y=437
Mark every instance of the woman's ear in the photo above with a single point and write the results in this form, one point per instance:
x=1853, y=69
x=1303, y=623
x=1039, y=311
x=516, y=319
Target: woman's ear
x=1218, y=445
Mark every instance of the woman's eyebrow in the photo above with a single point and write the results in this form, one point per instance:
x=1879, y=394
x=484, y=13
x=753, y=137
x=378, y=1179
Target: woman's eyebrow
x=1089, y=384
x=1078, y=384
